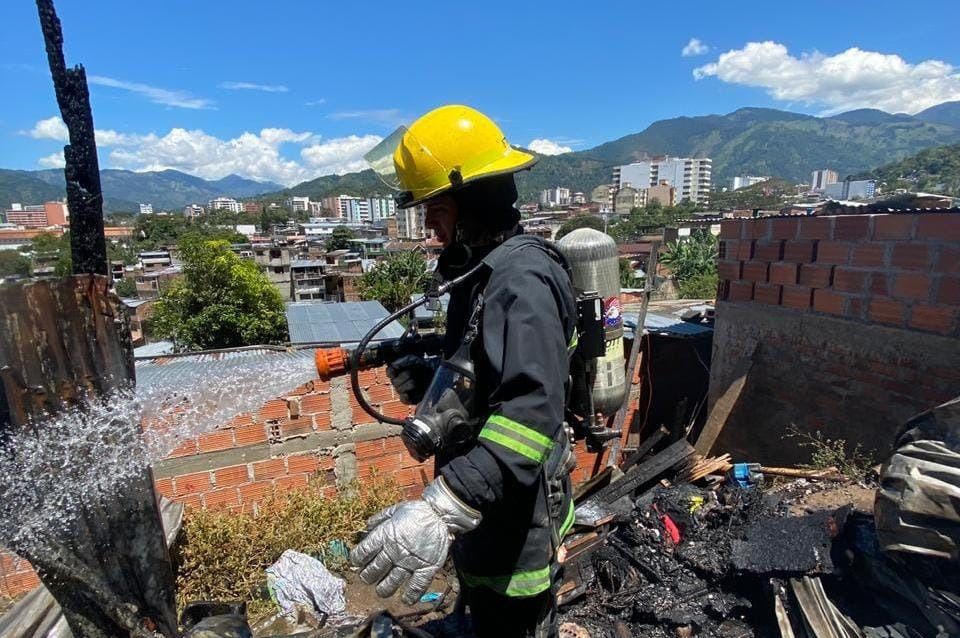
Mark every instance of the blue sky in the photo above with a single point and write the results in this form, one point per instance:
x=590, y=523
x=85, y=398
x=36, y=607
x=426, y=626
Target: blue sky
x=290, y=90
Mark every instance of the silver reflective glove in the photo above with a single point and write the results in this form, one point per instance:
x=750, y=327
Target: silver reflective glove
x=411, y=375
x=409, y=541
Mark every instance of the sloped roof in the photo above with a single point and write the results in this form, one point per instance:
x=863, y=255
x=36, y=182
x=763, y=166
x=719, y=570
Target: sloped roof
x=328, y=323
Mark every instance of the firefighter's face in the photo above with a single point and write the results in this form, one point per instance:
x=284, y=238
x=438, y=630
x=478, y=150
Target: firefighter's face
x=441, y=218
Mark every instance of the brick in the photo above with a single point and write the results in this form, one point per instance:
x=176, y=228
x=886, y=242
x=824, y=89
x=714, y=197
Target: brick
x=851, y=227
x=756, y=229
x=185, y=448
x=387, y=464
x=767, y=293
x=322, y=422
x=292, y=482
x=217, y=499
x=303, y=463
x=784, y=272
x=369, y=448
x=380, y=393
x=949, y=291
x=728, y=269
x=231, y=476
x=868, y=255
x=250, y=434
x=255, y=491
x=887, y=310
x=948, y=261
x=815, y=275
x=815, y=228
x=833, y=252
x=880, y=284
x=797, y=297
x=938, y=319
x=300, y=427
x=784, y=227
x=799, y=250
x=756, y=271
x=741, y=291
x=313, y=403
x=913, y=286
x=893, y=226
x=394, y=444
x=768, y=250
x=829, y=302
x=191, y=501
x=856, y=307
x=943, y=226
x=848, y=280
x=214, y=441
x=730, y=229
x=273, y=410
x=194, y=483
x=271, y=468
x=163, y=486
x=911, y=256
x=240, y=421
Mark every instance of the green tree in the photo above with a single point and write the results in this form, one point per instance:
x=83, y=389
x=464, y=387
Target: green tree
x=222, y=301
x=691, y=259
x=702, y=286
x=340, y=238
x=126, y=288
x=50, y=249
x=628, y=278
x=13, y=263
x=393, y=280
x=580, y=221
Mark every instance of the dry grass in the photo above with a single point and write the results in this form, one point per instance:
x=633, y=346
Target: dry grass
x=222, y=556
x=826, y=453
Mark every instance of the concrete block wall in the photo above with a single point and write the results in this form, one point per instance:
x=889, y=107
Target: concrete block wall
x=856, y=319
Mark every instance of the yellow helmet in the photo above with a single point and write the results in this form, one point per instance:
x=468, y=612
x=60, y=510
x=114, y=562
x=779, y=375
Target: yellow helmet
x=446, y=148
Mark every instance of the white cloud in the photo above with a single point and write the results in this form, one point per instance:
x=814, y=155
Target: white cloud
x=250, y=86
x=849, y=80
x=547, y=147
x=54, y=160
x=319, y=102
x=694, y=47
x=339, y=155
x=51, y=128
x=169, y=97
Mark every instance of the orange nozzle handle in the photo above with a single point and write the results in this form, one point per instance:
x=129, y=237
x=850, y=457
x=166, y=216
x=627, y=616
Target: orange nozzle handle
x=331, y=362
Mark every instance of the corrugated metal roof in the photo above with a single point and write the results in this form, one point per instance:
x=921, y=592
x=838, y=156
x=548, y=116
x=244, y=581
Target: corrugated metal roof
x=183, y=371
x=347, y=322
x=154, y=349
x=422, y=312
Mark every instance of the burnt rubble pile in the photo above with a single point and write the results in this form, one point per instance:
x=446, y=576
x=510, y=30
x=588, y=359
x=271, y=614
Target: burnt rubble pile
x=730, y=561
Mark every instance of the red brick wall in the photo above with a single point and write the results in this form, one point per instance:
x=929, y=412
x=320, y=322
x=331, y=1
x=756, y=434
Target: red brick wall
x=856, y=319
x=901, y=270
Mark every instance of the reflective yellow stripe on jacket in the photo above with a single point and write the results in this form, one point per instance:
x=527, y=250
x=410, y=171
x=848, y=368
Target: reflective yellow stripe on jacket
x=517, y=437
x=516, y=585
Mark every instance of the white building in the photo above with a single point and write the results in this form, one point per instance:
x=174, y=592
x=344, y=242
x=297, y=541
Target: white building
x=146, y=209
x=410, y=223
x=225, y=203
x=742, y=181
x=689, y=176
x=558, y=196
x=381, y=208
x=316, y=209
x=851, y=189
x=192, y=211
x=298, y=204
x=578, y=198
x=819, y=180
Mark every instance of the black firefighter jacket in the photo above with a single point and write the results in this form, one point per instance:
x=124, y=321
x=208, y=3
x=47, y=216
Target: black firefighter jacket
x=521, y=357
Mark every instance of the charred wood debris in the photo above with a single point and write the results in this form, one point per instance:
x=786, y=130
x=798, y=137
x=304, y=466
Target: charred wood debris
x=680, y=545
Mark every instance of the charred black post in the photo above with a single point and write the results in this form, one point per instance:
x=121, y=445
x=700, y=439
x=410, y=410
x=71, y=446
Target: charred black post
x=82, y=171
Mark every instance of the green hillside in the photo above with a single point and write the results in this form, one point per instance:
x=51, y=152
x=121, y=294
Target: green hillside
x=934, y=170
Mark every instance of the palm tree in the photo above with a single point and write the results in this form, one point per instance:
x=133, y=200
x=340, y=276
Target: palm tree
x=691, y=256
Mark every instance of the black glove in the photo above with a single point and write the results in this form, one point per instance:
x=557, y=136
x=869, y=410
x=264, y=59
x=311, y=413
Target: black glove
x=411, y=376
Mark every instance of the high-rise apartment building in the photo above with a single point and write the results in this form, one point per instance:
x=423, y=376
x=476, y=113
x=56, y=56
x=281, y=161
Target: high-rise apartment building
x=225, y=203
x=820, y=179
x=298, y=204
x=742, y=181
x=146, y=209
x=691, y=177
x=381, y=208
x=558, y=196
x=410, y=223
x=851, y=189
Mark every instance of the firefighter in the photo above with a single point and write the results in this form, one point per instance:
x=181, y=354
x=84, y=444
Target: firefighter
x=502, y=500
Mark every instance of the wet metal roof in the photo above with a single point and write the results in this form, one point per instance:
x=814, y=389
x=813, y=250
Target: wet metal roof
x=347, y=322
x=182, y=371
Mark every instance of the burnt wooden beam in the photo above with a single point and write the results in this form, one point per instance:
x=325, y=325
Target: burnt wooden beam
x=638, y=475
x=88, y=246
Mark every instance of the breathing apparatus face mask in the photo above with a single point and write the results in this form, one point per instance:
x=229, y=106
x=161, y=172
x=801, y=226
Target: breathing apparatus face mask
x=442, y=421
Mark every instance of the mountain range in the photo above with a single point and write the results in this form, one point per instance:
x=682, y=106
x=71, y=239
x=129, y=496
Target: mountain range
x=749, y=141
x=124, y=190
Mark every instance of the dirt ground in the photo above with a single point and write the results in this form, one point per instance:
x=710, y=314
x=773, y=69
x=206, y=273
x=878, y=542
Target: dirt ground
x=812, y=496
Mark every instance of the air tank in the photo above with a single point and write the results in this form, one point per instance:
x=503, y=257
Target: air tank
x=593, y=258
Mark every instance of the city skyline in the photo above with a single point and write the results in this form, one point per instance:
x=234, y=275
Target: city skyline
x=286, y=109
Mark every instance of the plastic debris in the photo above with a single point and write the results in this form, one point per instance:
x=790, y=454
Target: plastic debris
x=431, y=597
x=300, y=580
